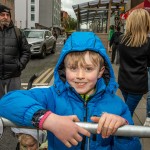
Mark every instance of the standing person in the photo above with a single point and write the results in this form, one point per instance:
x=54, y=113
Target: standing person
x=55, y=34
x=111, y=32
x=114, y=42
x=14, y=53
x=84, y=86
x=134, y=51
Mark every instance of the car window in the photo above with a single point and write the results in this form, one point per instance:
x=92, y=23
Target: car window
x=34, y=34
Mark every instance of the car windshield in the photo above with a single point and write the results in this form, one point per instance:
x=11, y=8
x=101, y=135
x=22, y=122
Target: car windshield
x=34, y=34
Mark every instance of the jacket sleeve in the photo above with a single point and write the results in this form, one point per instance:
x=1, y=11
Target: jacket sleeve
x=20, y=106
x=126, y=143
x=24, y=51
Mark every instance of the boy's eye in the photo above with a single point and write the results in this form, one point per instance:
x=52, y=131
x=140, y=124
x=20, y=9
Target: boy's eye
x=73, y=68
x=88, y=68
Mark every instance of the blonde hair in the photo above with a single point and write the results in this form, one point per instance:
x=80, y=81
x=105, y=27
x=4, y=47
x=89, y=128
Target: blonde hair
x=23, y=138
x=77, y=58
x=137, y=28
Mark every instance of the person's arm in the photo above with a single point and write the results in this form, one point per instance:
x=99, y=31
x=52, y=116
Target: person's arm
x=19, y=106
x=65, y=129
x=108, y=124
x=28, y=107
x=24, y=51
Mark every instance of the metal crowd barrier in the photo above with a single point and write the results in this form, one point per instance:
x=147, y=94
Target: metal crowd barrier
x=127, y=130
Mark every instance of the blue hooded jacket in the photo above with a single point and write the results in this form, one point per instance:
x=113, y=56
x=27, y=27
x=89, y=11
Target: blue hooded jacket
x=62, y=99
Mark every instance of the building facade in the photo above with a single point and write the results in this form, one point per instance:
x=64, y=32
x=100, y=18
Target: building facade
x=64, y=17
x=50, y=13
x=43, y=12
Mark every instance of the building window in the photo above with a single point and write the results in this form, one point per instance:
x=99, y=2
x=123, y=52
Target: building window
x=32, y=1
x=32, y=8
x=32, y=17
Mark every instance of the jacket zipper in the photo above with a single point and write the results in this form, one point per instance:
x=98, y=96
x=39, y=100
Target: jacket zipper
x=85, y=120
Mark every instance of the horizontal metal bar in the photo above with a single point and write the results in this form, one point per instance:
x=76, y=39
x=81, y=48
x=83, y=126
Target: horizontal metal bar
x=127, y=130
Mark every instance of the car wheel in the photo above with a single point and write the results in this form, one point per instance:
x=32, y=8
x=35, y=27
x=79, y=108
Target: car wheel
x=54, y=48
x=43, y=54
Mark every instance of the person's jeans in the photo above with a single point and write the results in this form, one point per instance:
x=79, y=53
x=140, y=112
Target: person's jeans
x=131, y=100
x=148, y=94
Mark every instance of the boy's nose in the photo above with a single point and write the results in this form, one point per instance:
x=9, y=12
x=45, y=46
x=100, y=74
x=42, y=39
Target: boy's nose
x=80, y=74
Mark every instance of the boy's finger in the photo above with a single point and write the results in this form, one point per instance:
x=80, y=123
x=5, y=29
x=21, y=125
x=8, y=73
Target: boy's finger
x=101, y=124
x=78, y=137
x=84, y=132
x=73, y=142
x=95, y=119
x=74, y=118
x=67, y=144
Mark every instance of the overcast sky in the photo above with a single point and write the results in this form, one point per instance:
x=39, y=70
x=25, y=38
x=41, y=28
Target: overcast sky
x=67, y=5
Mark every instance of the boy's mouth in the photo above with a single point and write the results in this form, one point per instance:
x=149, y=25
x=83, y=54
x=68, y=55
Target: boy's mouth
x=80, y=83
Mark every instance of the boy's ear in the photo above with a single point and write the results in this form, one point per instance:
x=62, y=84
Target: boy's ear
x=101, y=72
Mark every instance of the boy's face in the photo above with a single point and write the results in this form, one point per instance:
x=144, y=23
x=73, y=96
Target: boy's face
x=84, y=78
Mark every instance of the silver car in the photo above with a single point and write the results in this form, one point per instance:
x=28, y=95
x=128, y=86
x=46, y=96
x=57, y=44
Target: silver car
x=42, y=42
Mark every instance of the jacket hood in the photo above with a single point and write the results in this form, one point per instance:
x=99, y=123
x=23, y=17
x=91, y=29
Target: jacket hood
x=81, y=41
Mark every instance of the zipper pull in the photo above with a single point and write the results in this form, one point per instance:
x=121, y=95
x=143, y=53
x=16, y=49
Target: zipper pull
x=88, y=144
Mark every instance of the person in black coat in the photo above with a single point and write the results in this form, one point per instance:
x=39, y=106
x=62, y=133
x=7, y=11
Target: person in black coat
x=114, y=42
x=14, y=53
x=134, y=51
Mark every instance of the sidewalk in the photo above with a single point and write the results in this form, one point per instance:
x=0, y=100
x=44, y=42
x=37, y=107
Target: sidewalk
x=140, y=113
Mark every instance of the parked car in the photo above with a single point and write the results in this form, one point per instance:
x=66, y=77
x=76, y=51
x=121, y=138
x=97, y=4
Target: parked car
x=42, y=41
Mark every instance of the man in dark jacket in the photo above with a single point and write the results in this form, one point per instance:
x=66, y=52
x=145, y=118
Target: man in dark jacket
x=14, y=53
x=114, y=42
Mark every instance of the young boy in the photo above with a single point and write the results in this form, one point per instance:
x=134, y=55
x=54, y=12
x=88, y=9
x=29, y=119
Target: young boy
x=84, y=89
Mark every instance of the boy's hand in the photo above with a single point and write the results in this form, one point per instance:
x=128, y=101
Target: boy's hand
x=108, y=124
x=65, y=128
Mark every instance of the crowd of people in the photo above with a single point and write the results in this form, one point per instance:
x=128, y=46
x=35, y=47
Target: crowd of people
x=84, y=87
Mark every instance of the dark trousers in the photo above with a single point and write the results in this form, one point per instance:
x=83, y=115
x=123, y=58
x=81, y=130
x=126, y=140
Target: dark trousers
x=132, y=100
x=114, y=48
x=9, y=85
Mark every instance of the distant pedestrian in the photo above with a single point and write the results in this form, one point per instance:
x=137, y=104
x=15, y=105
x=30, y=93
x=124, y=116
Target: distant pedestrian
x=14, y=53
x=55, y=34
x=114, y=42
x=134, y=51
x=111, y=32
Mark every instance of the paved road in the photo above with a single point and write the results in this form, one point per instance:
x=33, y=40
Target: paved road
x=35, y=65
